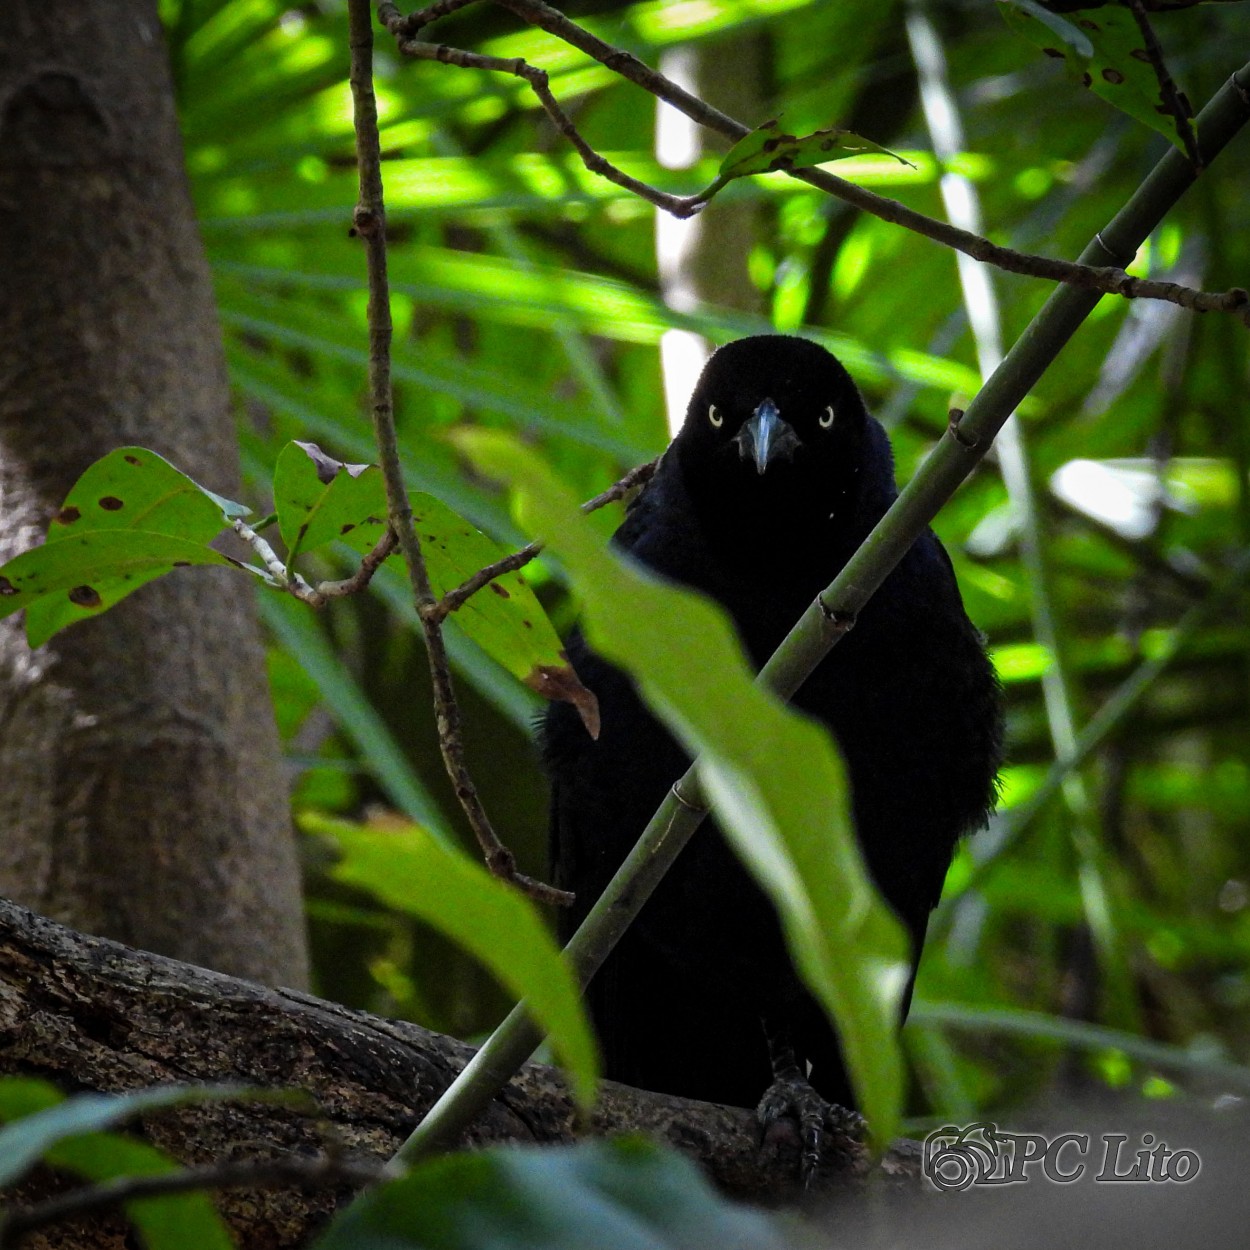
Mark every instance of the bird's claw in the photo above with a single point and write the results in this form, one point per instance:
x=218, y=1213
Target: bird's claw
x=793, y=1098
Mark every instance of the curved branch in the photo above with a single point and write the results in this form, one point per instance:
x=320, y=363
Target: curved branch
x=1109, y=279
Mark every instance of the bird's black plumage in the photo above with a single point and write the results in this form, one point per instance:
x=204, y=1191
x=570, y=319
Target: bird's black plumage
x=775, y=478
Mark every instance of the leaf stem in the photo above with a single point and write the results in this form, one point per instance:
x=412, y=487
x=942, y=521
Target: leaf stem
x=369, y=223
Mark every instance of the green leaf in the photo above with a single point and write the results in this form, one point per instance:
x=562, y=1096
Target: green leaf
x=130, y=518
x=774, y=777
x=768, y=147
x=1017, y=12
x=412, y=871
x=43, y=1118
x=135, y=489
x=319, y=499
x=504, y=618
x=73, y=578
x=65, y=1133
x=626, y=1194
x=170, y=1222
x=1103, y=50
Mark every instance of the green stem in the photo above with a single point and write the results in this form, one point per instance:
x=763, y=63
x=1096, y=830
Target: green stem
x=819, y=628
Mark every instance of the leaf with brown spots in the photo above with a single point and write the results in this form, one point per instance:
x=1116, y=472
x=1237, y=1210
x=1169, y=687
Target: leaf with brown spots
x=69, y=580
x=130, y=518
x=1103, y=54
x=135, y=489
x=769, y=148
x=319, y=499
x=507, y=621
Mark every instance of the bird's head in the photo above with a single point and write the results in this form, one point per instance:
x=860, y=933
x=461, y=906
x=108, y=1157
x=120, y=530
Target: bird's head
x=775, y=429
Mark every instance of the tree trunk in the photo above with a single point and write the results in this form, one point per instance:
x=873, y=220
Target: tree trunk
x=143, y=796
x=90, y=1014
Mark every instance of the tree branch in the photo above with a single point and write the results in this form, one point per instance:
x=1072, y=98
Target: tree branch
x=1109, y=279
x=91, y=1014
x=369, y=221
x=454, y=599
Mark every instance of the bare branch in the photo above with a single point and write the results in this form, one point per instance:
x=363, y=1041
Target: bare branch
x=1173, y=101
x=369, y=220
x=410, y=25
x=679, y=206
x=1109, y=279
x=369, y=565
x=454, y=599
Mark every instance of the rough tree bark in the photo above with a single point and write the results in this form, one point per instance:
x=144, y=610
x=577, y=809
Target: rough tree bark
x=142, y=794
x=92, y=1014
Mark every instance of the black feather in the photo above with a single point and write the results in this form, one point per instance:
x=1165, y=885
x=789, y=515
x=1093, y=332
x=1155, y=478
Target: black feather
x=909, y=695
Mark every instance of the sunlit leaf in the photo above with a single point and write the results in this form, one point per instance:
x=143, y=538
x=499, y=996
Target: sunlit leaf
x=133, y=488
x=69, y=580
x=769, y=148
x=131, y=517
x=413, y=872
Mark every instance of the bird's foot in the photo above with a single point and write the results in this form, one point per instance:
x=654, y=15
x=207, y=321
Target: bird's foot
x=791, y=1101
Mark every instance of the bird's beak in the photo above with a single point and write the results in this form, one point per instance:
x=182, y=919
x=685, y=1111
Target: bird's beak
x=766, y=437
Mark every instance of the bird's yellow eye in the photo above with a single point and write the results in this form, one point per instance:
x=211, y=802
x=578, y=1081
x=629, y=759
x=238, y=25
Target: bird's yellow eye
x=714, y=416
x=827, y=420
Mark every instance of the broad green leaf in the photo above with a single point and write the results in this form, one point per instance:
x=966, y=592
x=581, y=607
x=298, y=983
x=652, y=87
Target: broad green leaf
x=1107, y=55
x=42, y=1118
x=65, y=1133
x=133, y=488
x=66, y=581
x=413, y=872
x=768, y=147
x=625, y=1194
x=504, y=618
x=129, y=518
x=319, y=499
x=774, y=777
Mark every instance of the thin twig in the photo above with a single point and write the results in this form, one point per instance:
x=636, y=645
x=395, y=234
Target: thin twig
x=286, y=578
x=1109, y=279
x=1173, y=101
x=369, y=221
x=411, y=24
x=679, y=206
x=302, y=1170
x=454, y=599
x=369, y=565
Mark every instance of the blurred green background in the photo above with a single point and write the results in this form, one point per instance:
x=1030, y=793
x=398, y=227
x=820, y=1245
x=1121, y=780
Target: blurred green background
x=528, y=295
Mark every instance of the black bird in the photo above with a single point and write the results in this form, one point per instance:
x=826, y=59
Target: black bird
x=776, y=477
